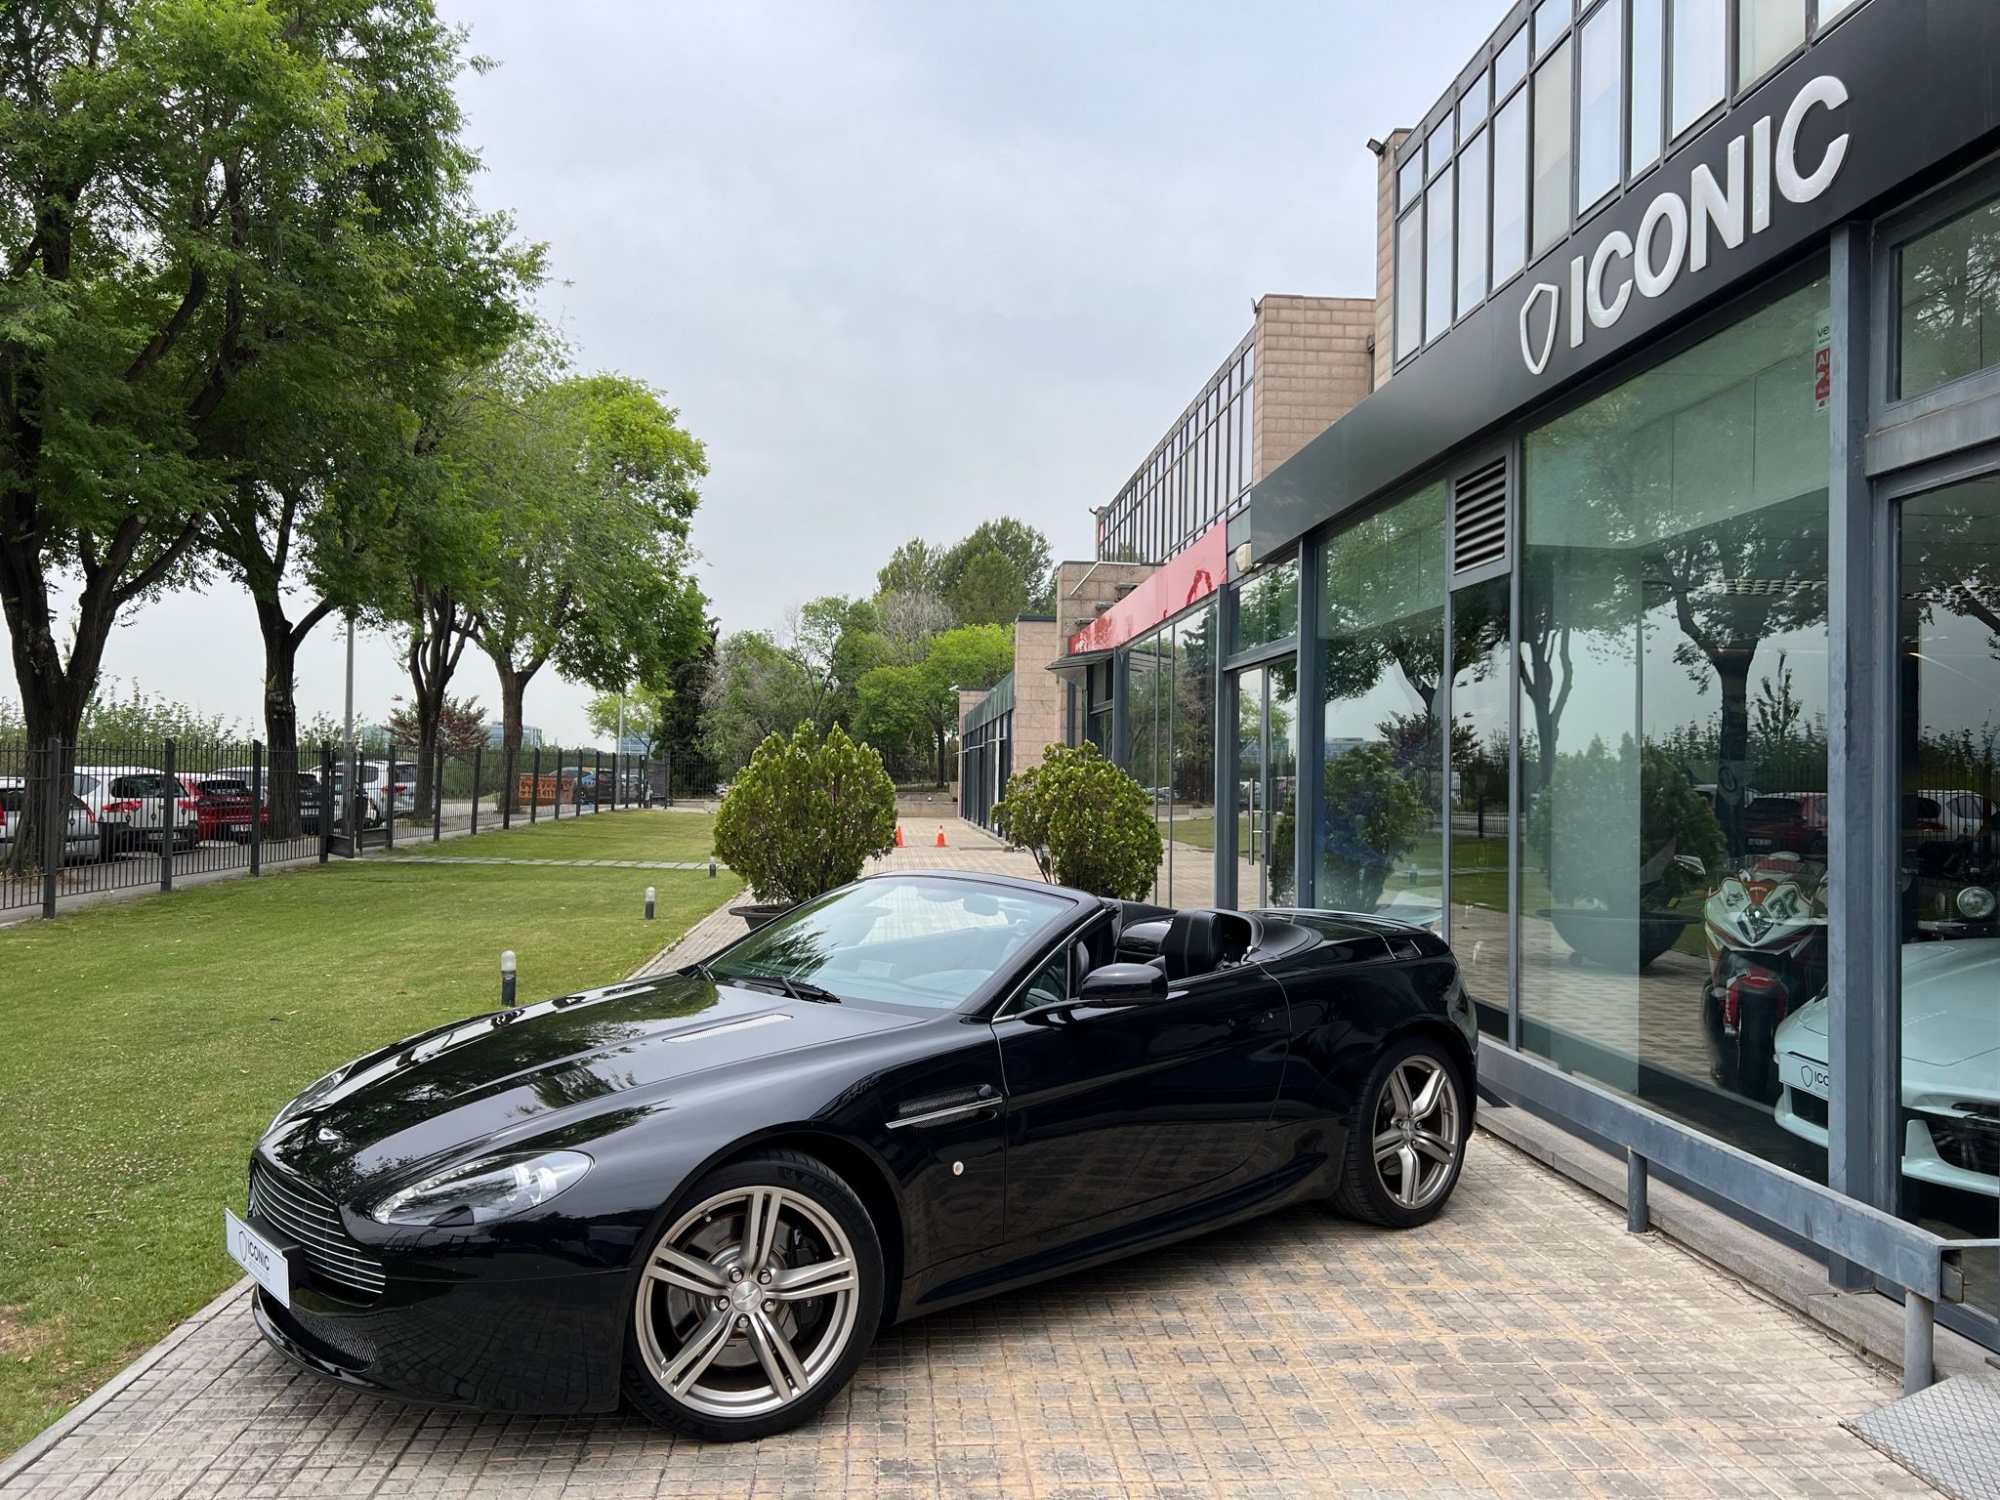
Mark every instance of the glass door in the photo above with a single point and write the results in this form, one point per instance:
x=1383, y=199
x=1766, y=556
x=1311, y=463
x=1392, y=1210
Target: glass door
x=1267, y=783
x=1948, y=751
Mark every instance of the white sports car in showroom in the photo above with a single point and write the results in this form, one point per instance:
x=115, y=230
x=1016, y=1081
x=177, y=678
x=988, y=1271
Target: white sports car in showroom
x=1951, y=1066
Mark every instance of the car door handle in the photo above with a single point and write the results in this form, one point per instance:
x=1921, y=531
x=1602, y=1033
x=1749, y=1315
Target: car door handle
x=936, y=1109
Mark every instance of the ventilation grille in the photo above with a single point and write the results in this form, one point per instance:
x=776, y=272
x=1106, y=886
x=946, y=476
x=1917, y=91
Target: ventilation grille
x=1479, y=528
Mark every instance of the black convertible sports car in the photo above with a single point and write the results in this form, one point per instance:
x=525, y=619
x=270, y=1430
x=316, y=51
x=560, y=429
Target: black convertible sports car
x=709, y=1191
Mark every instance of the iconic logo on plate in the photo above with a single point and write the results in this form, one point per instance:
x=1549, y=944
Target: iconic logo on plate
x=1676, y=230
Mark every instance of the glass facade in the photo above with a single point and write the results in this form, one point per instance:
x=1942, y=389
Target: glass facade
x=1766, y=31
x=1267, y=607
x=1699, y=45
x=1199, y=473
x=1480, y=923
x=1170, y=731
x=1379, y=844
x=1948, y=753
x=1948, y=302
x=1673, y=725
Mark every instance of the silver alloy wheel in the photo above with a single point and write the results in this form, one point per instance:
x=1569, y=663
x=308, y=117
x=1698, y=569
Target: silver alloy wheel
x=747, y=1302
x=1416, y=1132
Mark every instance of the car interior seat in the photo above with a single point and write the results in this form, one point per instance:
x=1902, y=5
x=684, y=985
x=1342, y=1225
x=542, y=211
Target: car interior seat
x=1193, y=944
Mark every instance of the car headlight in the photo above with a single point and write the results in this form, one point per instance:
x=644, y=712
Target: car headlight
x=315, y=1094
x=1976, y=902
x=481, y=1191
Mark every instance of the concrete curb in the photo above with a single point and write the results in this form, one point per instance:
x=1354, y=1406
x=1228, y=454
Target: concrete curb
x=24, y=1457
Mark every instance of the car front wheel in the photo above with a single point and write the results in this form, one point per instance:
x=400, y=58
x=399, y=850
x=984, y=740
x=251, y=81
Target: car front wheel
x=757, y=1301
x=1406, y=1137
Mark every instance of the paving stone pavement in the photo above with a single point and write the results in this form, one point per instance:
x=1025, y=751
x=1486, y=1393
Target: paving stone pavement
x=1522, y=1345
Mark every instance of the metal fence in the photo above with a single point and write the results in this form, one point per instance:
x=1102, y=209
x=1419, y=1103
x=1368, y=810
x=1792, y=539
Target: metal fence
x=77, y=820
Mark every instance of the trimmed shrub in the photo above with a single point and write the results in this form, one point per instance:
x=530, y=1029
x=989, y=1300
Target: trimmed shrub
x=805, y=815
x=1088, y=824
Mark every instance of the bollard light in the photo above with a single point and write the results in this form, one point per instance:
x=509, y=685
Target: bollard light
x=649, y=903
x=711, y=867
x=507, y=980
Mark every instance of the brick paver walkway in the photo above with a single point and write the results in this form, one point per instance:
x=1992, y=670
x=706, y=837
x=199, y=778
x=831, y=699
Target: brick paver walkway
x=1523, y=1345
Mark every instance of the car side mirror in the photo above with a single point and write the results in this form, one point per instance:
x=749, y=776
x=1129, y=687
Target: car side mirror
x=1122, y=984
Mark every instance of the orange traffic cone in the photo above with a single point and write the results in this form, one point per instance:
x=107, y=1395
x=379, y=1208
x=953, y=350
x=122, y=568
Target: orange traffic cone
x=940, y=842
x=899, y=835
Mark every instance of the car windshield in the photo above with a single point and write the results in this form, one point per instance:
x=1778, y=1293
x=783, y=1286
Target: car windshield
x=908, y=940
x=148, y=784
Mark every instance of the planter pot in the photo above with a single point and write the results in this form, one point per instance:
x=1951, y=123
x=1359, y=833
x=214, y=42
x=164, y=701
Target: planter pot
x=1612, y=939
x=757, y=914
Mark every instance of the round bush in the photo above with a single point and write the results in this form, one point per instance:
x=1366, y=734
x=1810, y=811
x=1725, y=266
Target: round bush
x=1089, y=825
x=806, y=814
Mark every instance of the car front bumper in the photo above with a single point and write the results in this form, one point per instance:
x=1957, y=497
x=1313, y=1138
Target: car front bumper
x=543, y=1345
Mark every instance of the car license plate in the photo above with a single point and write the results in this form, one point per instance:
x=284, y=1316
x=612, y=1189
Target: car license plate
x=265, y=1262
x=1806, y=1075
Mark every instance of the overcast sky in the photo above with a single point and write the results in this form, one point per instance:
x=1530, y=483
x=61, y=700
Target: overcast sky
x=901, y=267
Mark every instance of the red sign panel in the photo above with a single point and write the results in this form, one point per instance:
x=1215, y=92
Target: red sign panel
x=1184, y=579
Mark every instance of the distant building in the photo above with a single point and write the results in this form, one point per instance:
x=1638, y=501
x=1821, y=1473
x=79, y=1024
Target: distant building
x=530, y=736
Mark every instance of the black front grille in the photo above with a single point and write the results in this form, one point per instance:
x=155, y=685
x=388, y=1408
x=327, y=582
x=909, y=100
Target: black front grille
x=308, y=1216
x=1809, y=1107
x=1969, y=1145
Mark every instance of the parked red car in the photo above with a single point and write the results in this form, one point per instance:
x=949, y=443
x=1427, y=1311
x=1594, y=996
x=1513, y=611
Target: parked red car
x=1786, y=823
x=223, y=807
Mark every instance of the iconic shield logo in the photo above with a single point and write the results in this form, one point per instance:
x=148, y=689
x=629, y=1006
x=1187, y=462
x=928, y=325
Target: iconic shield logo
x=1536, y=364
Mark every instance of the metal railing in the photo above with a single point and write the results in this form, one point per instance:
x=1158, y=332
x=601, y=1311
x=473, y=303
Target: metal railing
x=81, y=820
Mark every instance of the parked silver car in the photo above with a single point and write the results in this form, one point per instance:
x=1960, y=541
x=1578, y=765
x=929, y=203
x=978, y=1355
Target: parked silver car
x=80, y=840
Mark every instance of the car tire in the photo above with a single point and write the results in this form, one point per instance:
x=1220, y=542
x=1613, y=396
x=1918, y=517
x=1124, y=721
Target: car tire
x=1377, y=1182
x=708, y=1357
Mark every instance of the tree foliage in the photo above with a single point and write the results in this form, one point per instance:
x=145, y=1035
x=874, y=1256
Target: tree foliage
x=806, y=815
x=461, y=728
x=897, y=705
x=1088, y=824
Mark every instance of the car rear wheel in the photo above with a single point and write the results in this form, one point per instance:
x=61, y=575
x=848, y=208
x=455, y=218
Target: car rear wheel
x=756, y=1302
x=1406, y=1137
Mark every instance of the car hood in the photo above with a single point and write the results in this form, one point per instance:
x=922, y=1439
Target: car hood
x=1949, y=1011
x=517, y=1076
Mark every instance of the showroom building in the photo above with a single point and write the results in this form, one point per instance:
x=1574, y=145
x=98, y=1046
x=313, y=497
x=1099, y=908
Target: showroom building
x=1641, y=630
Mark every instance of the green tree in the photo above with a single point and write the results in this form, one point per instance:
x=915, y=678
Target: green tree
x=897, y=704
x=589, y=484
x=203, y=205
x=991, y=591
x=916, y=567
x=1088, y=824
x=756, y=690
x=1023, y=546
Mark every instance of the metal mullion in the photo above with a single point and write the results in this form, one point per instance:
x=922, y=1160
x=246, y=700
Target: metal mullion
x=1311, y=713
x=1441, y=715
x=1517, y=521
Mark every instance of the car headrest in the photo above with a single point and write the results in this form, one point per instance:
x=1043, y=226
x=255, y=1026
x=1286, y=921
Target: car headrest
x=1193, y=944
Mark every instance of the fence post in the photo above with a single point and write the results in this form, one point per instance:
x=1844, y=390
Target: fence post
x=667, y=774
x=256, y=807
x=478, y=754
x=325, y=800
x=507, y=788
x=645, y=786
x=556, y=804
x=54, y=821
x=596, y=780
x=389, y=791
x=535, y=788
x=437, y=797
x=170, y=807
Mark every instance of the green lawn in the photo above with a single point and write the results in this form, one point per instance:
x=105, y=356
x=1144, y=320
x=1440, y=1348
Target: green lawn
x=148, y=1043
x=657, y=834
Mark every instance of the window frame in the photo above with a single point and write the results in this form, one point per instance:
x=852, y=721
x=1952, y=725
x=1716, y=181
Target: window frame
x=1898, y=438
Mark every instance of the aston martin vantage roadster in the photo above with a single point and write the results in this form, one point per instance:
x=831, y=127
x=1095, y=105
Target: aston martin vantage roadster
x=706, y=1193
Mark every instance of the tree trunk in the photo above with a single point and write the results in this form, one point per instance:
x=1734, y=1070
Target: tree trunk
x=513, y=689
x=281, y=721
x=437, y=638
x=1732, y=674
x=54, y=693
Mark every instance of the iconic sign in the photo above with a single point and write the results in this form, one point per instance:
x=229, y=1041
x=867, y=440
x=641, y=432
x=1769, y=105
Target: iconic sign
x=1683, y=231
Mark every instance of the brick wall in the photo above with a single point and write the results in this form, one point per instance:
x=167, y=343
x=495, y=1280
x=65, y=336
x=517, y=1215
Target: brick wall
x=1312, y=368
x=1038, y=692
x=1385, y=257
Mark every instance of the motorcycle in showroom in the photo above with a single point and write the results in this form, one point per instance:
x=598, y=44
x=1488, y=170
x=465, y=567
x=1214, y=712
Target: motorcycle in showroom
x=1765, y=924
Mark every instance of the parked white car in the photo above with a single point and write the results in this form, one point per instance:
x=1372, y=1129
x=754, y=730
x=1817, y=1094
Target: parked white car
x=136, y=807
x=399, y=781
x=1951, y=1065
x=79, y=838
